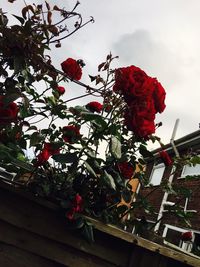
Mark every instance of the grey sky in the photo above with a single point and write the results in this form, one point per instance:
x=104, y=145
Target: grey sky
x=160, y=36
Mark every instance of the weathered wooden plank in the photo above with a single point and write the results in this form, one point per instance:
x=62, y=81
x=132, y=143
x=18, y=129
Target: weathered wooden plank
x=11, y=256
x=167, y=252
x=41, y=219
x=47, y=248
x=26, y=214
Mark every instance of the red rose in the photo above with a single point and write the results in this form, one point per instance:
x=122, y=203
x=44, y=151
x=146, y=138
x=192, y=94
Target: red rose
x=51, y=149
x=78, y=203
x=71, y=133
x=46, y=153
x=144, y=96
x=70, y=214
x=126, y=169
x=139, y=118
x=60, y=90
x=8, y=112
x=132, y=82
x=94, y=106
x=43, y=157
x=141, y=127
x=159, y=97
x=187, y=236
x=165, y=158
x=77, y=206
x=72, y=69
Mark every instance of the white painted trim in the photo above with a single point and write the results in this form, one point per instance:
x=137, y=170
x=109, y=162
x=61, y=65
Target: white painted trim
x=180, y=144
x=183, y=245
x=164, y=200
x=158, y=166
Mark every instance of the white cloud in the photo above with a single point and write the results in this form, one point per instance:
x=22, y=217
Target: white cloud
x=141, y=49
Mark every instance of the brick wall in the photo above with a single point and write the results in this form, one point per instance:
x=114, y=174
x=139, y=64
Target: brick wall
x=155, y=196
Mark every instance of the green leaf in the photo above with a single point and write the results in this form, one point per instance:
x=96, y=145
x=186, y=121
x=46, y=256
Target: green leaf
x=21, y=20
x=108, y=179
x=11, y=97
x=65, y=158
x=87, y=232
x=18, y=64
x=98, y=119
x=31, y=128
x=118, y=180
x=35, y=139
x=79, y=223
x=92, y=78
x=116, y=147
x=195, y=160
x=51, y=100
x=78, y=109
x=114, y=130
x=144, y=152
x=90, y=169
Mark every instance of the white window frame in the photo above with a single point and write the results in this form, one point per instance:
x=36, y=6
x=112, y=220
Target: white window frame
x=152, y=171
x=183, y=245
x=183, y=170
x=168, y=203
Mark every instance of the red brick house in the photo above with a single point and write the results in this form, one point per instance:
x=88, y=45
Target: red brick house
x=169, y=226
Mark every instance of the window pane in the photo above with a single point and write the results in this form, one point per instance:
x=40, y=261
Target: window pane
x=196, y=244
x=156, y=175
x=173, y=237
x=191, y=170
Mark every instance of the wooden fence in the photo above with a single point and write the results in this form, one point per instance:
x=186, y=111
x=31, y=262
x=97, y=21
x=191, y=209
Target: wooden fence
x=33, y=235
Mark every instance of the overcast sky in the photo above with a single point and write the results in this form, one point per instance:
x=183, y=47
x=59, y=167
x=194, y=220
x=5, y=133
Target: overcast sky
x=160, y=36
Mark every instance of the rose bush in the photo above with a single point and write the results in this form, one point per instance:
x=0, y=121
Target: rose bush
x=86, y=161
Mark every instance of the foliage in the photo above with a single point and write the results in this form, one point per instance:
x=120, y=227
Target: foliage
x=86, y=162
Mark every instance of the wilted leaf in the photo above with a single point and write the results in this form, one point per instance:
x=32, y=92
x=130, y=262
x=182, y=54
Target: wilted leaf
x=109, y=56
x=101, y=66
x=56, y=8
x=53, y=29
x=49, y=17
x=26, y=9
x=47, y=5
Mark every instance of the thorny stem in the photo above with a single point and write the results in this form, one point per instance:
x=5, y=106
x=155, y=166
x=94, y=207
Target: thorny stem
x=76, y=29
